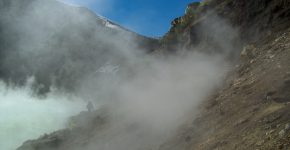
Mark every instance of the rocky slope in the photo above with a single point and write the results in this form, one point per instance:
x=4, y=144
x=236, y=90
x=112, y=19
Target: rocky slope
x=252, y=110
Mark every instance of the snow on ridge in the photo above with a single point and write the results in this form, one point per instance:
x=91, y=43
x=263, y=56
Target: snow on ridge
x=107, y=22
x=69, y=3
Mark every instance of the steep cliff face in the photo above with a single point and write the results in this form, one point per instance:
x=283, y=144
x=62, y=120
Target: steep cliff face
x=254, y=20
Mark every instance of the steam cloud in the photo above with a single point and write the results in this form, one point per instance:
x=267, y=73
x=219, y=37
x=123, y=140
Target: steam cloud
x=147, y=97
x=24, y=116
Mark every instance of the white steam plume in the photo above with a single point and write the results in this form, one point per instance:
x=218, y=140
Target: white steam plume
x=147, y=97
x=24, y=116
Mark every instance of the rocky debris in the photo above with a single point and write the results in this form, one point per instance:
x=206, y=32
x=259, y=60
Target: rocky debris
x=271, y=118
x=241, y=121
x=260, y=143
x=80, y=125
x=248, y=53
x=287, y=126
x=281, y=94
x=270, y=132
x=282, y=133
x=47, y=142
x=269, y=95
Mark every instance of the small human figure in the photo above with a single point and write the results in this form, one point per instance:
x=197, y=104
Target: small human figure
x=90, y=106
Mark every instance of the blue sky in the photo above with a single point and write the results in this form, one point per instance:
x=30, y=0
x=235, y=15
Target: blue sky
x=146, y=17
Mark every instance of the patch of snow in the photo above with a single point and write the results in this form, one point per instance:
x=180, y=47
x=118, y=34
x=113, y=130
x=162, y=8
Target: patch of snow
x=70, y=3
x=107, y=22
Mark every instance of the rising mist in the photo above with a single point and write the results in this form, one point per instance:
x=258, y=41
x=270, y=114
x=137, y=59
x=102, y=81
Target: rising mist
x=146, y=96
